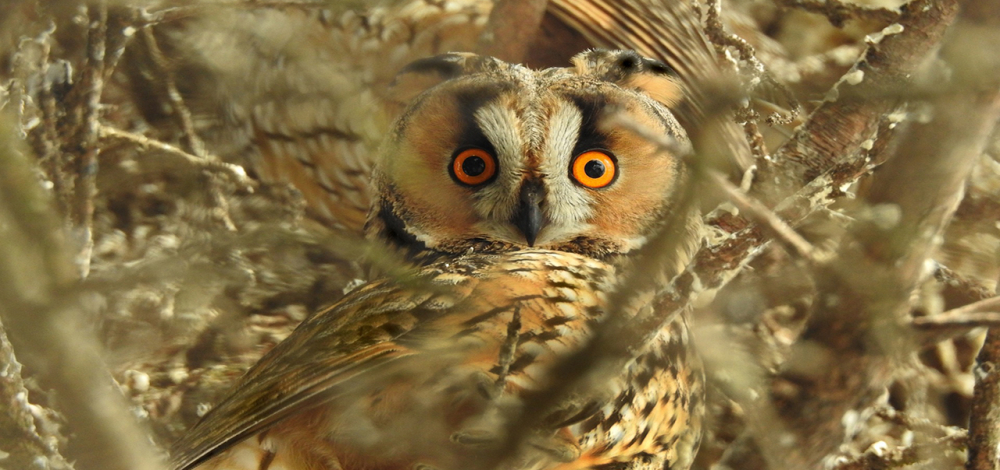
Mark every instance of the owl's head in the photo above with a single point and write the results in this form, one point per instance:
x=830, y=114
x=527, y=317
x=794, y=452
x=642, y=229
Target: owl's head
x=496, y=157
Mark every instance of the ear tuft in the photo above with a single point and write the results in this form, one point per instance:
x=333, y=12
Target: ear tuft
x=629, y=63
x=630, y=70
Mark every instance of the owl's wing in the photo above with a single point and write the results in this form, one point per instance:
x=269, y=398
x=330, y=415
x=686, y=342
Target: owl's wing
x=358, y=335
x=456, y=316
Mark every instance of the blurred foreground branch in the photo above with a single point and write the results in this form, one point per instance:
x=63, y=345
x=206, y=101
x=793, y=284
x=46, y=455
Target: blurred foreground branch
x=26, y=441
x=42, y=309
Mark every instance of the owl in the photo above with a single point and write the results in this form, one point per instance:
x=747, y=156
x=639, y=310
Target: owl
x=279, y=90
x=520, y=204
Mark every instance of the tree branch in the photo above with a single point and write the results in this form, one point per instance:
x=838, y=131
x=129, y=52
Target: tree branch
x=851, y=114
x=41, y=309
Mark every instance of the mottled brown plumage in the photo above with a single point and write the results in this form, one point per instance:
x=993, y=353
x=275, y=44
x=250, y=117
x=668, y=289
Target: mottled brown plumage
x=396, y=377
x=432, y=369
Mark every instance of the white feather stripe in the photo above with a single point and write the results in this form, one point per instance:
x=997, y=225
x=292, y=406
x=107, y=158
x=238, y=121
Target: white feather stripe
x=567, y=203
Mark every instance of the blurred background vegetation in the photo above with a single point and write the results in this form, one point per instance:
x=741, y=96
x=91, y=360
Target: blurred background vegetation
x=182, y=182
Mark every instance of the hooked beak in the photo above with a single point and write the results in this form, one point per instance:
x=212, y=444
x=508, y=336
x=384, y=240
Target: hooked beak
x=528, y=218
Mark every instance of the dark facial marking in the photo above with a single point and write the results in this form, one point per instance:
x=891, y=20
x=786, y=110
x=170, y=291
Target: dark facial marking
x=592, y=110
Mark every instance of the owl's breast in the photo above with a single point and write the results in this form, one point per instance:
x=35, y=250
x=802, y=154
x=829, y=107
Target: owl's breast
x=654, y=420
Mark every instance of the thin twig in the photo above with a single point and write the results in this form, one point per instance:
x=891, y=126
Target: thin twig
x=750, y=117
x=766, y=218
x=176, y=13
x=962, y=322
x=794, y=107
x=92, y=84
x=179, y=110
x=937, y=328
x=924, y=426
x=212, y=166
x=962, y=316
x=508, y=347
x=123, y=21
x=211, y=163
x=721, y=38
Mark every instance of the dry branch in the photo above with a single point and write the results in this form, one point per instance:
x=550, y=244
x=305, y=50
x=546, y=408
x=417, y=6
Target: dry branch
x=42, y=309
x=180, y=112
x=959, y=320
x=984, y=426
x=90, y=88
x=839, y=12
x=835, y=131
x=766, y=219
x=866, y=290
x=25, y=440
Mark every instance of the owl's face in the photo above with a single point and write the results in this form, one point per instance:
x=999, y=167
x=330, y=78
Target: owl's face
x=499, y=157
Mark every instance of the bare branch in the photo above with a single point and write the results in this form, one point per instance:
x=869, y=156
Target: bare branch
x=121, y=30
x=766, y=218
x=851, y=115
x=92, y=85
x=839, y=12
x=189, y=138
x=963, y=316
x=41, y=310
x=984, y=421
x=211, y=163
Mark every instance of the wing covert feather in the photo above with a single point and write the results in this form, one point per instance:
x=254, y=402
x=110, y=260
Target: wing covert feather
x=326, y=350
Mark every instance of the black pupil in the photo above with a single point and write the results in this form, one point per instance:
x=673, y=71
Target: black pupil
x=594, y=169
x=473, y=166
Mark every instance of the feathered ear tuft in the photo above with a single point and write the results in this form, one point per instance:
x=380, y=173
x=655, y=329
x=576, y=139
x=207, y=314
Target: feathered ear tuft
x=630, y=70
x=421, y=75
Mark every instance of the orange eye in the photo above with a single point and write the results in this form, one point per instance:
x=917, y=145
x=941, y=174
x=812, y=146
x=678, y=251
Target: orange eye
x=594, y=169
x=473, y=166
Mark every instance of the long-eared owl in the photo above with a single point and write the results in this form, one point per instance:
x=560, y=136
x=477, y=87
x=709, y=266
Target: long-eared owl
x=520, y=202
